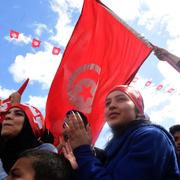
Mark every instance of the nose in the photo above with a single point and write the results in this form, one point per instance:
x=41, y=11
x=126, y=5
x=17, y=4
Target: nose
x=112, y=105
x=8, y=116
x=178, y=142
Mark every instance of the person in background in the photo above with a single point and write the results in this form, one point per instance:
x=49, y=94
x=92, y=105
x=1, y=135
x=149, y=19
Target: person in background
x=138, y=150
x=164, y=55
x=22, y=129
x=65, y=146
x=40, y=165
x=15, y=97
x=175, y=131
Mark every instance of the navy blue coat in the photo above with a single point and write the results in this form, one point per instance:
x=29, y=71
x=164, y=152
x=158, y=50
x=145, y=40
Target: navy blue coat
x=142, y=152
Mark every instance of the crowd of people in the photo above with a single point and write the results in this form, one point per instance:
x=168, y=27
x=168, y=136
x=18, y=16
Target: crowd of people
x=138, y=150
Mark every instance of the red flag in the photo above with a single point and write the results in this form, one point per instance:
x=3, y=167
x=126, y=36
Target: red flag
x=102, y=52
x=6, y=103
x=36, y=43
x=23, y=87
x=135, y=79
x=171, y=90
x=14, y=34
x=159, y=87
x=148, y=83
x=56, y=50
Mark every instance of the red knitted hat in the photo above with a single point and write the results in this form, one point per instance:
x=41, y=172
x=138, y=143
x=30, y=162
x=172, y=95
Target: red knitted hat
x=133, y=94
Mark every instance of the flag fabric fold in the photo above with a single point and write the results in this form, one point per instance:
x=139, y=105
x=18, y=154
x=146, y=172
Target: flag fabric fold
x=102, y=52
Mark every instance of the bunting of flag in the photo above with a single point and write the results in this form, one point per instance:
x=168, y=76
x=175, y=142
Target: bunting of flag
x=158, y=87
x=14, y=34
x=56, y=50
x=35, y=42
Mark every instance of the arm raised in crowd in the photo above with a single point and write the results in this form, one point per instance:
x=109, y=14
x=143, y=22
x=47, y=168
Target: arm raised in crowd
x=15, y=97
x=164, y=55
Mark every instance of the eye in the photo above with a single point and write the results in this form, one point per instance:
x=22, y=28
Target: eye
x=107, y=103
x=8, y=112
x=15, y=174
x=19, y=114
x=121, y=99
x=176, y=139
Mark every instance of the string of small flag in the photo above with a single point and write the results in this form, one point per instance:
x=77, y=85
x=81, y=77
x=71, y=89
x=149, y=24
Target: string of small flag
x=56, y=50
x=35, y=42
x=157, y=87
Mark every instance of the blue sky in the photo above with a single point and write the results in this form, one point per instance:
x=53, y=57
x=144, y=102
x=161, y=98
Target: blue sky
x=52, y=21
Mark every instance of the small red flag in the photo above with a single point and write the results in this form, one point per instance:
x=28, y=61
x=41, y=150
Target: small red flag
x=135, y=79
x=23, y=87
x=171, y=90
x=14, y=34
x=102, y=52
x=56, y=50
x=36, y=43
x=159, y=87
x=148, y=83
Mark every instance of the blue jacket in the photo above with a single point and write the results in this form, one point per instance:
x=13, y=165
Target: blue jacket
x=142, y=152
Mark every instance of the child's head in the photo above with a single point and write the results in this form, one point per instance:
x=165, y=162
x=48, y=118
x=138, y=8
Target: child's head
x=38, y=165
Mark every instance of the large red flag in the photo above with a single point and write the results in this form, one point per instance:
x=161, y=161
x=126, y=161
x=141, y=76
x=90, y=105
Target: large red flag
x=102, y=52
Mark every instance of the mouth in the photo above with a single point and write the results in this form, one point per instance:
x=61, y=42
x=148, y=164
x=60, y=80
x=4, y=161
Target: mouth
x=113, y=115
x=6, y=124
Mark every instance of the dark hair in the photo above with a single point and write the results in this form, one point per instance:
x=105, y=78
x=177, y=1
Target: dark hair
x=48, y=165
x=47, y=137
x=174, y=129
x=84, y=118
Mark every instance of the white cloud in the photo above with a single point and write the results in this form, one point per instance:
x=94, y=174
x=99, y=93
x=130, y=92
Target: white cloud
x=40, y=67
x=5, y=93
x=22, y=39
x=40, y=28
x=171, y=76
x=127, y=10
x=64, y=26
x=37, y=101
x=160, y=105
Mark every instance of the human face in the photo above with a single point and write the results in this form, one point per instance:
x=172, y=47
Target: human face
x=13, y=123
x=119, y=109
x=22, y=170
x=177, y=141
